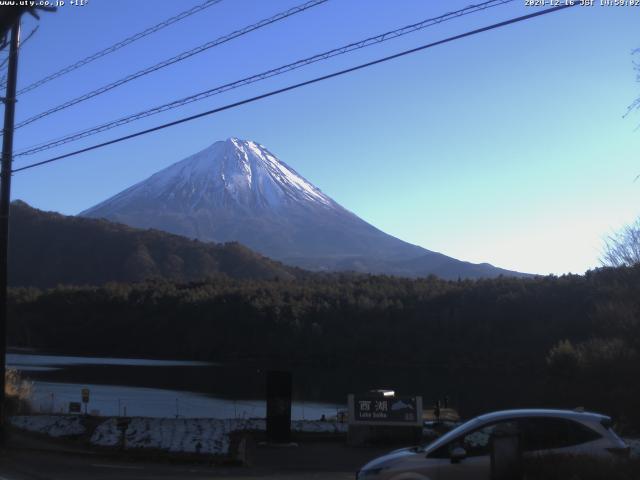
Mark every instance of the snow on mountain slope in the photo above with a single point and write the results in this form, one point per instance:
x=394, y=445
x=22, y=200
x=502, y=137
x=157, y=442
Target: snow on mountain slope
x=237, y=190
x=240, y=171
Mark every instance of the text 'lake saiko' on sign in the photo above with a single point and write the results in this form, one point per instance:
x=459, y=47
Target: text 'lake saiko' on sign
x=395, y=409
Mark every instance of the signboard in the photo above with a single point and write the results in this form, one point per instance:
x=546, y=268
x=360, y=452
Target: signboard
x=85, y=395
x=382, y=410
x=75, y=407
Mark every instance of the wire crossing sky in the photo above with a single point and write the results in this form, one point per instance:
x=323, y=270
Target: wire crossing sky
x=170, y=61
x=384, y=37
x=296, y=86
x=508, y=147
x=117, y=46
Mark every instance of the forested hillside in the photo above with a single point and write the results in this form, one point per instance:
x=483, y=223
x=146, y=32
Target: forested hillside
x=48, y=249
x=555, y=341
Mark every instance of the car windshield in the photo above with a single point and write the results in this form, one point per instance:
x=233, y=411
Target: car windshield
x=450, y=435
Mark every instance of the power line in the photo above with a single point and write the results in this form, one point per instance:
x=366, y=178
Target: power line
x=22, y=43
x=178, y=58
x=120, y=44
x=299, y=85
x=261, y=76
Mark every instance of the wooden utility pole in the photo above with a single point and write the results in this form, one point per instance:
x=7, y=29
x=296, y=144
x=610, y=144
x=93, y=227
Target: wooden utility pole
x=5, y=199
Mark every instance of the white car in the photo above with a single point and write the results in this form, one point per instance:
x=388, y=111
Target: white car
x=464, y=452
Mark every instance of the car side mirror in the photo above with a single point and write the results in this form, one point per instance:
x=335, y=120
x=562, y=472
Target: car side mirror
x=457, y=454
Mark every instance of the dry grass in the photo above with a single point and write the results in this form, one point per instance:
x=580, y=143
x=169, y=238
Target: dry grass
x=18, y=392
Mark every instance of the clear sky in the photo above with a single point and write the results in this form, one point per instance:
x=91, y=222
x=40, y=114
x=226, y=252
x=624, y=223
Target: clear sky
x=508, y=147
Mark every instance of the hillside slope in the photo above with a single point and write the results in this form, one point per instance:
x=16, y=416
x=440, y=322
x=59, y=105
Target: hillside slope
x=47, y=249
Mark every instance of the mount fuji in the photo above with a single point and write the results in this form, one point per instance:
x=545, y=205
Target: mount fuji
x=237, y=190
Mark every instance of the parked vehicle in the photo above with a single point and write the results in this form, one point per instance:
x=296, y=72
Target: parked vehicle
x=465, y=452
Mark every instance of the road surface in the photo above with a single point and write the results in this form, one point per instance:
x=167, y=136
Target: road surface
x=32, y=465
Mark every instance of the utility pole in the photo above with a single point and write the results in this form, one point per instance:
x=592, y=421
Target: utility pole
x=5, y=199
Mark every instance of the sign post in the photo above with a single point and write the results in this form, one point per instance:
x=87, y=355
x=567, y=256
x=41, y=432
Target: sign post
x=123, y=424
x=85, y=399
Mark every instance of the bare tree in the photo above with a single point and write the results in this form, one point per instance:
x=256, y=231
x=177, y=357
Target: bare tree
x=623, y=248
x=635, y=105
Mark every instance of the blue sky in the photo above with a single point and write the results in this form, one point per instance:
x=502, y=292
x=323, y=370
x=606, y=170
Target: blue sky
x=508, y=147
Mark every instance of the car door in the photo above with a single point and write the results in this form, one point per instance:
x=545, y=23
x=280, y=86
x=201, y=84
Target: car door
x=477, y=463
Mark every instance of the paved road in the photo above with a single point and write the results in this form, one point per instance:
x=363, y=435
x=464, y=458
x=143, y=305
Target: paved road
x=30, y=465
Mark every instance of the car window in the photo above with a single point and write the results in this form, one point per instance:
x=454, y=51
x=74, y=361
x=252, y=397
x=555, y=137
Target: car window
x=579, y=433
x=440, y=447
x=544, y=433
x=477, y=442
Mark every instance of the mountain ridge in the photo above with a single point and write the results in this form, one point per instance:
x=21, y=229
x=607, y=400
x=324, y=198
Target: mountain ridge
x=47, y=249
x=237, y=190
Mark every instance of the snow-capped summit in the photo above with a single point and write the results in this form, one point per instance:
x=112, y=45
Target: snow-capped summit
x=234, y=170
x=237, y=190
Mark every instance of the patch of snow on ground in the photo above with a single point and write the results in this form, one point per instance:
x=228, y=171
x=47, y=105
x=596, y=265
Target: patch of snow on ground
x=318, y=427
x=187, y=435
x=107, y=434
x=180, y=435
x=174, y=435
x=249, y=424
x=52, y=425
x=193, y=435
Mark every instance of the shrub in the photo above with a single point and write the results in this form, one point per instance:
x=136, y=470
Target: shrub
x=18, y=392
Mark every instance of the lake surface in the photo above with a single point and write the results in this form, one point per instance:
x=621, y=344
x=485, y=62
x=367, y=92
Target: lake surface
x=24, y=360
x=152, y=388
x=166, y=388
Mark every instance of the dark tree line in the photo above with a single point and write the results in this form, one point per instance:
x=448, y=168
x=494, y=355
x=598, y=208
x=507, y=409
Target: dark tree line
x=555, y=341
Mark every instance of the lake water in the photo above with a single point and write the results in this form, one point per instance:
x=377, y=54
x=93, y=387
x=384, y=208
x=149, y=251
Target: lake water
x=139, y=387
x=166, y=388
